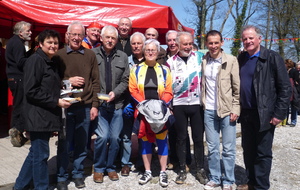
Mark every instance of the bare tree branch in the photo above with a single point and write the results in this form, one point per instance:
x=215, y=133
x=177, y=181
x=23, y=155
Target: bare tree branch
x=227, y=14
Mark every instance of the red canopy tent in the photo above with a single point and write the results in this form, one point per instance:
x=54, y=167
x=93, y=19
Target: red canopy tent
x=57, y=14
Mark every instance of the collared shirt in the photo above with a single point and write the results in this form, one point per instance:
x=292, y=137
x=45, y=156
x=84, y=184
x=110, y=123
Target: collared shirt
x=123, y=41
x=211, y=74
x=80, y=50
x=132, y=60
x=248, y=99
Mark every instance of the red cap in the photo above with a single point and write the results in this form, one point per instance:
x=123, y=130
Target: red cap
x=94, y=25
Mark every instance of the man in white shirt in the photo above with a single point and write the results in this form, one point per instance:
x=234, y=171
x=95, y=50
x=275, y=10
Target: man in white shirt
x=220, y=99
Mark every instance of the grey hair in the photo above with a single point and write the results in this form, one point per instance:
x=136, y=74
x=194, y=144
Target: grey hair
x=170, y=32
x=183, y=34
x=152, y=41
x=19, y=27
x=138, y=34
x=109, y=28
x=256, y=29
x=125, y=18
x=76, y=23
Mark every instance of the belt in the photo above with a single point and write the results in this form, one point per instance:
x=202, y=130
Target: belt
x=14, y=79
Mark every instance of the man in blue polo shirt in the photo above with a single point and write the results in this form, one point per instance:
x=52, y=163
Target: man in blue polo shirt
x=265, y=93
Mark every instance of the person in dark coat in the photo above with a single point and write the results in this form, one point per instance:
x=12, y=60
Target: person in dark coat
x=294, y=100
x=124, y=30
x=42, y=110
x=265, y=93
x=15, y=56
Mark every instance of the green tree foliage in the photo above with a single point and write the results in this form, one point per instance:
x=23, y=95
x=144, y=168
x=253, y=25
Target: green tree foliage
x=239, y=22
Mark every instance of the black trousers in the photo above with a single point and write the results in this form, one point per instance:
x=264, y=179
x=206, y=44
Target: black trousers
x=172, y=144
x=257, y=147
x=196, y=114
x=17, y=119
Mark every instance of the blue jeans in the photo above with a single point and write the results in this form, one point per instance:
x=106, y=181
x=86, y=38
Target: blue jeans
x=110, y=124
x=77, y=127
x=35, y=166
x=213, y=125
x=126, y=141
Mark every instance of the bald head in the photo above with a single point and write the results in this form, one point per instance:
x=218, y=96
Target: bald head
x=151, y=33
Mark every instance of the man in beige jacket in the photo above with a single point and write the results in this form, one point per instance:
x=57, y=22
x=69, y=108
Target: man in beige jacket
x=220, y=99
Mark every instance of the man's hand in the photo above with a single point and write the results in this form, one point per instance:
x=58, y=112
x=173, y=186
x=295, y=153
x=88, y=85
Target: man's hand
x=77, y=81
x=112, y=96
x=233, y=117
x=63, y=103
x=93, y=113
x=275, y=121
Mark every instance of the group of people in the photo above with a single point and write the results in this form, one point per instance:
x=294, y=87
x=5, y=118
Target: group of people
x=294, y=76
x=146, y=85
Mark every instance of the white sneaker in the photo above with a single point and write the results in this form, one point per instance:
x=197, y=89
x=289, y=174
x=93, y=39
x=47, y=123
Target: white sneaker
x=163, y=179
x=211, y=185
x=145, y=178
x=227, y=187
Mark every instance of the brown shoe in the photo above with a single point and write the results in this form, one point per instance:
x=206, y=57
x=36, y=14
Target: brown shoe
x=98, y=177
x=113, y=176
x=125, y=170
x=245, y=187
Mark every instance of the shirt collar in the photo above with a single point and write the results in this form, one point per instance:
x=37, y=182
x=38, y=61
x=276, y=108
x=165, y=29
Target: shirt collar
x=218, y=60
x=80, y=50
x=111, y=53
x=255, y=55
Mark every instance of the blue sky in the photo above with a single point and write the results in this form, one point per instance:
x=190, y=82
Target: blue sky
x=178, y=9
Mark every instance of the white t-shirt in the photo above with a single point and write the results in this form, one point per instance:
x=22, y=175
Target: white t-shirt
x=211, y=74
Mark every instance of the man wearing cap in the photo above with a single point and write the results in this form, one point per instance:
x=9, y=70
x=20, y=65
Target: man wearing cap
x=92, y=39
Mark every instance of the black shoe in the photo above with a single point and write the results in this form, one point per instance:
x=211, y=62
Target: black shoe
x=79, y=182
x=201, y=176
x=62, y=185
x=181, y=177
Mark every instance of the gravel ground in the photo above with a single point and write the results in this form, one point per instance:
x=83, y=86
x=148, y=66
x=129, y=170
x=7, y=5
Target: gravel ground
x=285, y=174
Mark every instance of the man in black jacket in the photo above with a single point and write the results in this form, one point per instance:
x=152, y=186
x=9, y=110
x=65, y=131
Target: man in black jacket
x=124, y=29
x=15, y=56
x=265, y=92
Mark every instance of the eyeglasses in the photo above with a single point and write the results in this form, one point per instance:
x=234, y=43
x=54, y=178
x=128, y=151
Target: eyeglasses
x=75, y=34
x=150, y=50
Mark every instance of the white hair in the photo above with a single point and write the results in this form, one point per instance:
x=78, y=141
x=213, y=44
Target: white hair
x=125, y=18
x=76, y=23
x=183, y=34
x=170, y=32
x=138, y=34
x=152, y=41
x=109, y=28
x=19, y=27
